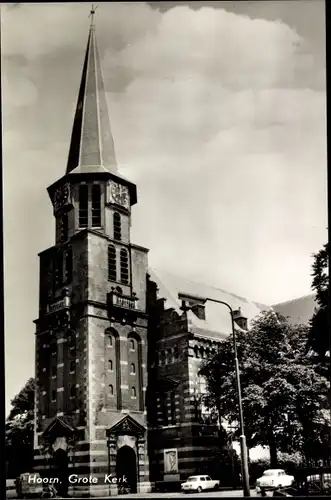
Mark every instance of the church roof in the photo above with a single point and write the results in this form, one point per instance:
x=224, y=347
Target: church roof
x=297, y=311
x=218, y=322
x=92, y=146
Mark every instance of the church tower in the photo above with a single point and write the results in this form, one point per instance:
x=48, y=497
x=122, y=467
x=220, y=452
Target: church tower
x=91, y=333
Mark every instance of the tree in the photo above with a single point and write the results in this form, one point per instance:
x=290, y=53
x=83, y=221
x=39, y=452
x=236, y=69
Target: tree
x=319, y=339
x=282, y=394
x=19, y=431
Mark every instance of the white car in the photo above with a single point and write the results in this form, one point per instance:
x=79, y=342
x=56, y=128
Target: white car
x=273, y=479
x=199, y=483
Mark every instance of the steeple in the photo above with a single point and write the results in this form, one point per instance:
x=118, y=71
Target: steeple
x=92, y=146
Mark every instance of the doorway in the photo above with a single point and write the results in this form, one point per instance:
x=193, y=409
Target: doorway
x=61, y=462
x=126, y=467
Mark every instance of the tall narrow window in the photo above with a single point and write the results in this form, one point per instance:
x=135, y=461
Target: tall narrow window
x=111, y=263
x=53, y=395
x=96, y=205
x=132, y=347
x=132, y=369
x=72, y=391
x=124, y=266
x=117, y=226
x=68, y=265
x=83, y=206
x=133, y=392
x=172, y=408
x=110, y=365
x=64, y=227
x=110, y=390
x=58, y=269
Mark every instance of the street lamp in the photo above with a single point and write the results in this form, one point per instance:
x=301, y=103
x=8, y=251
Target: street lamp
x=243, y=446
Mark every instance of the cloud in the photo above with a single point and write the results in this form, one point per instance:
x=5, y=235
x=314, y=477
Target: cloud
x=219, y=118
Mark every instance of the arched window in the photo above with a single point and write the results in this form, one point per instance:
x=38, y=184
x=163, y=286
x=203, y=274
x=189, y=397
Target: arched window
x=117, y=226
x=133, y=392
x=111, y=263
x=83, y=206
x=72, y=391
x=110, y=390
x=133, y=369
x=96, y=205
x=64, y=227
x=53, y=395
x=110, y=365
x=124, y=260
x=132, y=345
x=72, y=366
x=176, y=354
x=111, y=341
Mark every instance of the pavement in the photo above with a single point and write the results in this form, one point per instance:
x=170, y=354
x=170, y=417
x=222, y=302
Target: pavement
x=207, y=494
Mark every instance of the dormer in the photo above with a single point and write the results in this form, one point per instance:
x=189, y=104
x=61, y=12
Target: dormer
x=240, y=319
x=195, y=303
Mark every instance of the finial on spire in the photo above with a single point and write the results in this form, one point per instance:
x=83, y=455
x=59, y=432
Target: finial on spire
x=92, y=12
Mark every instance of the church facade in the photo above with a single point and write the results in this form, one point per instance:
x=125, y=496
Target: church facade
x=118, y=345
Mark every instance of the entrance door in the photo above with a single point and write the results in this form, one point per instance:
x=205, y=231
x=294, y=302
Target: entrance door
x=61, y=462
x=126, y=467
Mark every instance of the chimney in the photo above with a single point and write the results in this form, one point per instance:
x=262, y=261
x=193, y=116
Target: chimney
x=199, y=311
x=240, y=319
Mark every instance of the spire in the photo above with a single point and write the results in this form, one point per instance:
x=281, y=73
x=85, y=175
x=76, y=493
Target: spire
x=92, y=145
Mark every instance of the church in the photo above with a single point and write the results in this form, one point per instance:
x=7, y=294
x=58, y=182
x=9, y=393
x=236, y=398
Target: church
x=118, y=345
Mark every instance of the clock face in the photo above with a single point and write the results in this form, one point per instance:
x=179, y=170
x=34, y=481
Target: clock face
x=61, y=196
x=119, y=194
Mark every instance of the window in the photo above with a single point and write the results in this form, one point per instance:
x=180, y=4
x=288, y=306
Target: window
x=68, y=265
x=58, y=269
x=110, y=341
x=72, y=391
x=83, y=206
x=117, y=226
x=111, y=263
x=64, y=227
x=172, y=408
x=72, y=366
x=133, y=392
x=96, y=205
x=53, y=395
x=202, y=478
x=110, y=390
x=110, y=365
x=132, y=369
x=124, y=266
x=54, y=371
x=165, y=408
x=132, y=346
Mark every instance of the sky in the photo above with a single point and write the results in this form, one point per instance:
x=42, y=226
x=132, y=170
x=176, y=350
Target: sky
x=218, y=115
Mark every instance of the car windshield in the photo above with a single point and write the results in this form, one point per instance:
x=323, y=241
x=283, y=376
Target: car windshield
x=192, y=478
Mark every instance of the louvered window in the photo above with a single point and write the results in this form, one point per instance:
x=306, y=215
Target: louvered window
x=124, y=266
x=83, y=206
x=111, y=263
x=96, y=205
x=117, y=226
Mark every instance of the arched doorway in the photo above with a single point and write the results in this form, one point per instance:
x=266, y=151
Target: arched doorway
x=126, y=467
x=61, y=462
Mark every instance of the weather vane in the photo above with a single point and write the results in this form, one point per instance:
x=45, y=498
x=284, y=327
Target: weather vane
x=92, y=12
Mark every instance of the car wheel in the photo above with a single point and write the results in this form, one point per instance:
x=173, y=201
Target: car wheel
x=216, y=487
x=199, y=490
x=263, y=493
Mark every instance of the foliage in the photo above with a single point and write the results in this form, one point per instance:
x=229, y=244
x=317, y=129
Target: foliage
x=19, y=431
x=319, y=339
x=282, y=394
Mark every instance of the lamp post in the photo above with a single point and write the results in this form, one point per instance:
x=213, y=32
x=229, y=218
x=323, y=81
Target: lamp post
x=243, y=446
